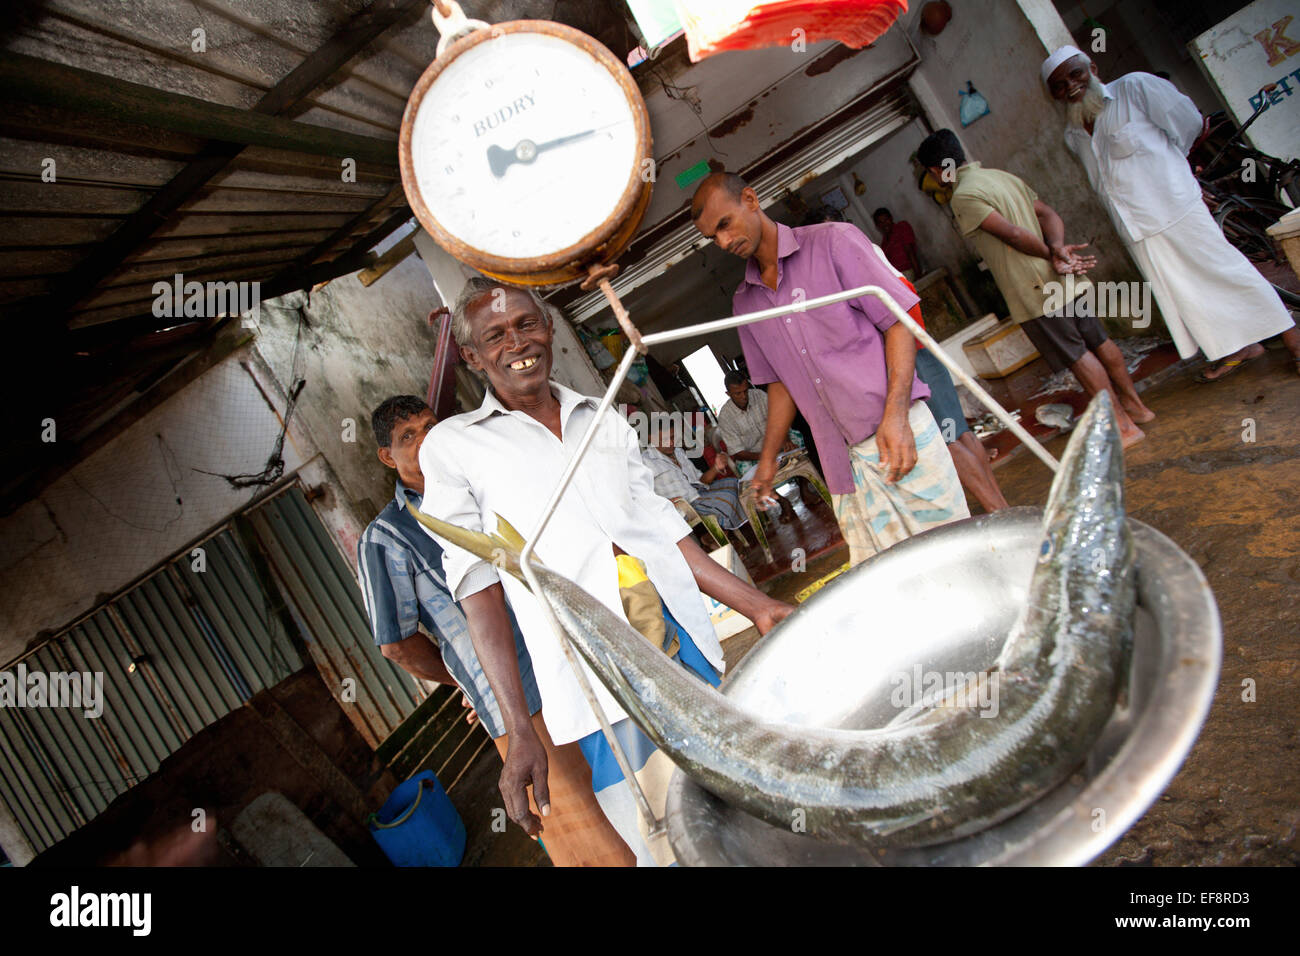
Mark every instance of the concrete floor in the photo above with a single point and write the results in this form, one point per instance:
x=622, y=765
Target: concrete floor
x=1232, y=505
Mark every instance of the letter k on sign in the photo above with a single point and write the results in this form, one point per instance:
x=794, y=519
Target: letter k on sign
x=1277, y=45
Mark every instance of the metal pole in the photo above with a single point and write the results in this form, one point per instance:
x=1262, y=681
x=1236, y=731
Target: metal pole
x=987, y=400
x=654, y=824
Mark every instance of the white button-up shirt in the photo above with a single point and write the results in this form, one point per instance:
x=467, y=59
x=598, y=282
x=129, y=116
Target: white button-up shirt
x=1136, y=157
x=494, y=461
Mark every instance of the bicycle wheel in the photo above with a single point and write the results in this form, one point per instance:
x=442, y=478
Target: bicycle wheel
x=1245, y=225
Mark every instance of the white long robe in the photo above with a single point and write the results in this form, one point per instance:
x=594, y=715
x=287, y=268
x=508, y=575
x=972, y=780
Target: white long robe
x=1208, y=292
x=1210, y=295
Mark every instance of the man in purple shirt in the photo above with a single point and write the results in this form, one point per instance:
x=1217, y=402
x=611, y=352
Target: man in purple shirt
x=847, y=367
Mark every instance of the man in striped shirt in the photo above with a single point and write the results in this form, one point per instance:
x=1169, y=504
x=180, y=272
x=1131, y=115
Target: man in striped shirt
x=400, y=569
x=742, y=421
x=742, y=424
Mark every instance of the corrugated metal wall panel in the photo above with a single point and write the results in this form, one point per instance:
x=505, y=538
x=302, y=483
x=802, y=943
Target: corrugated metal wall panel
x=326, y=600
x=207, y=637
x=98, y=647
x=232, y=594
x=208, y=640
x=43, y=820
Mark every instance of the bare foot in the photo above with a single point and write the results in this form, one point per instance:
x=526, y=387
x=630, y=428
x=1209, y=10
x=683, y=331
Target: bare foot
x=1138, y=412
x=1131, y=438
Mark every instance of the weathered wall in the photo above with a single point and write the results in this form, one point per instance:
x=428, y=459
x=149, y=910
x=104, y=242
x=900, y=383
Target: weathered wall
x=140, y=498
x=145, y=494
x=359, y=346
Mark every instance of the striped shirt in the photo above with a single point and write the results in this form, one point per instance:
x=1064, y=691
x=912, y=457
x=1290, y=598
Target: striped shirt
x=744, y=429
x=399, y=566
x=670, y=477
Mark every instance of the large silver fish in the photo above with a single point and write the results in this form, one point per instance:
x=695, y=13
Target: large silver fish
x=948, y=770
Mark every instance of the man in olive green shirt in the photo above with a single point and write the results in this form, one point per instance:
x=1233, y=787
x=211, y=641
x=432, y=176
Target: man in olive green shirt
x=1022, y=239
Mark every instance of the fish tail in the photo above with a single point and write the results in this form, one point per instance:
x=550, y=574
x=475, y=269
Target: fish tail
x=502, y=549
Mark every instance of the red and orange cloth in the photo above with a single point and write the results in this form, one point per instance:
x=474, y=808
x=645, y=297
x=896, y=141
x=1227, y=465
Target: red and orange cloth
x=714, y=26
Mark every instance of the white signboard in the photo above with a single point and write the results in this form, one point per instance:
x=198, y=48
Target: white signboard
x=1256, y=46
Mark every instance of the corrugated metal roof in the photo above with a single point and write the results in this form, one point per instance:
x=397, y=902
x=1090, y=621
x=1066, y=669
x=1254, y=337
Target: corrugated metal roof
x=220, y=160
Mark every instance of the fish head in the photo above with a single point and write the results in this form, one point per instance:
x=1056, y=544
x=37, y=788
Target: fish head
x=502, y=549
x=1085, y=527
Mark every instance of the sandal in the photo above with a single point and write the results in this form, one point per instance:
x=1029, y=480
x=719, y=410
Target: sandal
x=1231, y=365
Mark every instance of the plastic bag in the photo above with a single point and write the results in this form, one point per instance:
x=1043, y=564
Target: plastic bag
x=973, y=105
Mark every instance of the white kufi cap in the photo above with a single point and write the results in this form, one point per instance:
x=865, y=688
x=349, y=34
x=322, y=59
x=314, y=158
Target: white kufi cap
x=1060, y=56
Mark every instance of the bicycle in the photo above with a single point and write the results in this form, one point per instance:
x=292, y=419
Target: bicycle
x=1244, y=214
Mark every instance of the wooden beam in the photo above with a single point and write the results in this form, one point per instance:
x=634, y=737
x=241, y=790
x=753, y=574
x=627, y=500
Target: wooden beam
x=388, y=261
x=28, y=79
x=286, y=281
x=394, y=196
x=306, y=277
x=137, y=318
x=58, y=87
x=365, y=25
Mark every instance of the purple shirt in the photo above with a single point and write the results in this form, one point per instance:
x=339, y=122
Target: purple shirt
x=832, y=359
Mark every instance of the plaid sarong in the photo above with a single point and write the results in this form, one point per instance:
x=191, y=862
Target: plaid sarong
x=879, y=514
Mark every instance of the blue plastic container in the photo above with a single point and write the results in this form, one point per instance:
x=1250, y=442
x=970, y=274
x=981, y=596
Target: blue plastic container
x=418, y=826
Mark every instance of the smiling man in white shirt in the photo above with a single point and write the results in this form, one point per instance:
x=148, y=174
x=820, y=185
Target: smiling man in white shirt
x=1132, y=137
x=506, y=458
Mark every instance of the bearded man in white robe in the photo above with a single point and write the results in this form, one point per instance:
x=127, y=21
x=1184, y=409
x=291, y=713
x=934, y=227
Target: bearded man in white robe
x=1132, y=137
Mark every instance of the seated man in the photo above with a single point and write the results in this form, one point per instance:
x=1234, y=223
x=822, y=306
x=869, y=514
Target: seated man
x=742, y=423
x=675, y=476
x=611, y=534
x=400, y=567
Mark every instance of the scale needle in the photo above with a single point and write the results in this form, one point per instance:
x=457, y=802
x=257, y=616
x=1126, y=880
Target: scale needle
x=525, y=151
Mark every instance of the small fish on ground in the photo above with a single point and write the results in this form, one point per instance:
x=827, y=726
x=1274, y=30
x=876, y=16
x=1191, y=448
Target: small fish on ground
x=1056, y=415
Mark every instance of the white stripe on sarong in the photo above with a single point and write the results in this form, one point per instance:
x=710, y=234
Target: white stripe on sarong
x=881, y=513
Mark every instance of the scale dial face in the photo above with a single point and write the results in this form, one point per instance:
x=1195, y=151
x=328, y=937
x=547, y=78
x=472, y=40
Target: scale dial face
x=523, y=149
